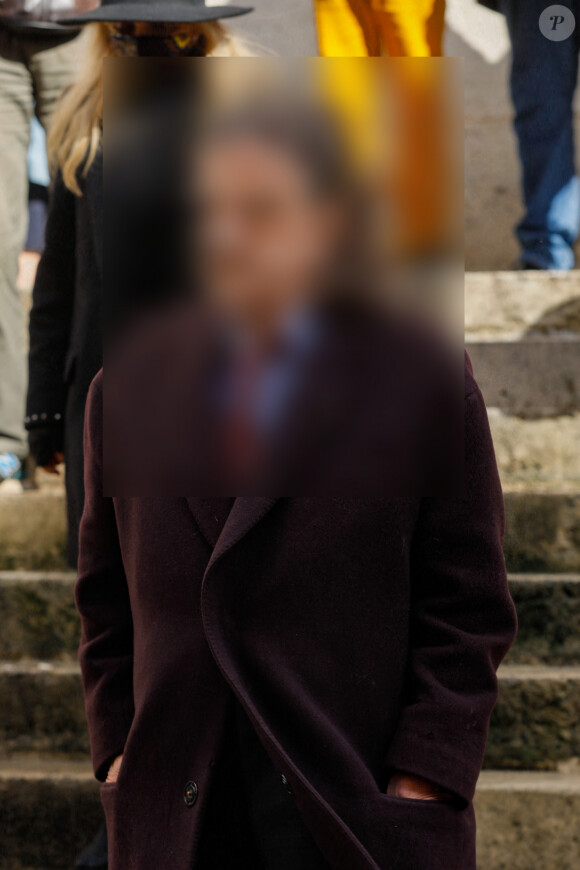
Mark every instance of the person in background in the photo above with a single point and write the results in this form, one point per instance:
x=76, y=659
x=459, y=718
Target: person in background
x=38, y=189
x=542, y=84
x=38, y=59
x=66, y=333
x=412, y=28
x=397, y=28
x=66, y=319
x=38, y=198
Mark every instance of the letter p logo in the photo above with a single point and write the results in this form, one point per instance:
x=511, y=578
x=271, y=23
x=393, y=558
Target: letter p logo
x=557, y=23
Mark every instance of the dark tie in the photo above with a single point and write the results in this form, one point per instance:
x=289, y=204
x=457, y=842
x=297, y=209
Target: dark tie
x=241, y=439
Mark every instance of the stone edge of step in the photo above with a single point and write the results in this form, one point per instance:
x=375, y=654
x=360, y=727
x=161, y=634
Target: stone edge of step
x=14, y=578
x=11, y=577
x=504, y=305
x=528, y=781
x=506, y=673
x=62, y=770
x=549, y=489
x=30, y=768
x=37, y=668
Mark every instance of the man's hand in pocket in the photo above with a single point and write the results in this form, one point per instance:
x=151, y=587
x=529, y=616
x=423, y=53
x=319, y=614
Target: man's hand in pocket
x=114, y=769
x=406, y=785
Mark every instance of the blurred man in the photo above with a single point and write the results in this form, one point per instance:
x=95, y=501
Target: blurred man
x=300, y=681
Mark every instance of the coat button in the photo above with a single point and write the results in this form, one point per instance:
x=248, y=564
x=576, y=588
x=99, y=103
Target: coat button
x=190, y=793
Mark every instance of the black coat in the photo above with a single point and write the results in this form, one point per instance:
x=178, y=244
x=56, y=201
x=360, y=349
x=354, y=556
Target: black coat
x=137, y=249
x=65, y=332
x=360, y=635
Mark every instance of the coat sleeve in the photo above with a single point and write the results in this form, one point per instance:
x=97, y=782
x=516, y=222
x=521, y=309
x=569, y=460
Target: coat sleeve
x=50, y=326
x=462, y=622
x=102, y=599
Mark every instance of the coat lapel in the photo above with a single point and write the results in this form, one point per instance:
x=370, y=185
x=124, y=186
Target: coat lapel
x=246, y=512
x=223, y=524
x=211, y=515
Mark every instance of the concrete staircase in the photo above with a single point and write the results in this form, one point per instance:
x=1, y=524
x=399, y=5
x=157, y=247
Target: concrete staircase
x=523, y=335
x=528, y=798
x=49, y=803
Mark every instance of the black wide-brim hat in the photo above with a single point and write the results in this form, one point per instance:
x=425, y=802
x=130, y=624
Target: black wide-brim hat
x=157, y=12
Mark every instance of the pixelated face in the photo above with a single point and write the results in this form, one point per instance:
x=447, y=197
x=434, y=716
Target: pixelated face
x=264, y=237
x=144, y=39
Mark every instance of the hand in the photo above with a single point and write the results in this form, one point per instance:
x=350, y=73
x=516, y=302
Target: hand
x=55, y=460
x=114, y=769
x=406, y=785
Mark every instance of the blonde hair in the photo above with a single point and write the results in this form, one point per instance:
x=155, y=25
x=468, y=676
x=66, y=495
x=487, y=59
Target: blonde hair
x=75, y=133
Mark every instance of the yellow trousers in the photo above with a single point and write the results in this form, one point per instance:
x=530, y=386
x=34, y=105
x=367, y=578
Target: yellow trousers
x=370, y=28
x=421, y=182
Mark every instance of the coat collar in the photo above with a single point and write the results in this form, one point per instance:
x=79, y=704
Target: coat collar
x=245, y=513
x=211, y=515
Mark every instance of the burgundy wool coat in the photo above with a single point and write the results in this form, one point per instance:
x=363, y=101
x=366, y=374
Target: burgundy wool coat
x=360, y=635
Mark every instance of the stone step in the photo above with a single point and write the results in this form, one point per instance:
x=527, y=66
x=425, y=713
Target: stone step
x=536, y=723
x=33, y=527
x=532, y=378
x=528, y=821
x=548, y=607
x=42, y=709
x=537, y=452
x=51, y=808
x=529, y=452
x=508, y=306
x=38, y=615
x=39, y=620
x=523, y=336
x=542, y=531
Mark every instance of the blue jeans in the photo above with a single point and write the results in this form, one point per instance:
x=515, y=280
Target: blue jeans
x=542, y=82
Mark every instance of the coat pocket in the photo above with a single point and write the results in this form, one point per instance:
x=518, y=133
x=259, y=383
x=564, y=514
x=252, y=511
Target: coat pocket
x=412, y=834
